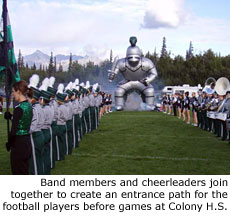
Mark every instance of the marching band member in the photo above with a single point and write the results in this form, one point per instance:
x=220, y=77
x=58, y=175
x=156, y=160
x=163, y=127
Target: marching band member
x=53, y=103
x=226, y=109
x=92, y=108
x=221, y=101
x=76, y=115
x=36, y=134
x=61, y=123
x=98, y=101
x=69, y=123
x=46, y=127
x=86, y=106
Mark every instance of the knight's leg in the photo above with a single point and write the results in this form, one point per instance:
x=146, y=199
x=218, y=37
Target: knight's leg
x=119, y=98
x=149, y=96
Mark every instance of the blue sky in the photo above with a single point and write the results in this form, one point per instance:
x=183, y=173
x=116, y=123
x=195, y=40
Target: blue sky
x=94, y=27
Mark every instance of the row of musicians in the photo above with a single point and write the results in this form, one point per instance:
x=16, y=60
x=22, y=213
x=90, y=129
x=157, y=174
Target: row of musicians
x=213, y=113
x=58, y=124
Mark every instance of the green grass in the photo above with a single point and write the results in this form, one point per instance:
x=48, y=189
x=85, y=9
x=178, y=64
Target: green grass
x=141, y=143
x=4, y=155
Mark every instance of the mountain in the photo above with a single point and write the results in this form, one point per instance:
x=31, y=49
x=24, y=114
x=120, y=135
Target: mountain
x=39, y=58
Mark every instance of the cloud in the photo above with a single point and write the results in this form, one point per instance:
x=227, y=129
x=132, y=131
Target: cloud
x=94, y=27
x=164, y=14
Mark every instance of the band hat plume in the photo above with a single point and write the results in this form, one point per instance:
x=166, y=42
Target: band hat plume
x=44, y=85
x=87, y=85
x=60, y=89
x=50, y=87
x=43, y=88
x=34, y=80
x=68, y=89
x=76, y=81
x=82, y=84
x=95, y=86
x=51, y=81
x=60, y=95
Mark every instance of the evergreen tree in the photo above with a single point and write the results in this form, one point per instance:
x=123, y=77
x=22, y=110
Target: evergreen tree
x=164, y=52
x=20, y=60
x=70, y=63
x=60, y=68
x=155, y=56
x=148, y=55
x=111, y=56
x=51, y=65
x=189, y=52
x=34, y=67
x=55, y=65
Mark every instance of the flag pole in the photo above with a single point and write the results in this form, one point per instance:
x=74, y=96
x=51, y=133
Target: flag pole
x=7, y=84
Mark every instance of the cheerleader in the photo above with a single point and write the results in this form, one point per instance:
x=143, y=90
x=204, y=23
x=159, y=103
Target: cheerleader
x=169, y=104
x=102, y=106
x=174, y=104
x=179, y=105
x=164, y=103
x=110, y=102
x=186, y=110
x=194, y=102
x=106, y=103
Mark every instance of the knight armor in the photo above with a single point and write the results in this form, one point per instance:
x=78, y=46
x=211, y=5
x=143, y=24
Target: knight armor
x=138, y=73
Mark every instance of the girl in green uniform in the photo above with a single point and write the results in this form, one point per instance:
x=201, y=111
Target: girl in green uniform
x=19, y=139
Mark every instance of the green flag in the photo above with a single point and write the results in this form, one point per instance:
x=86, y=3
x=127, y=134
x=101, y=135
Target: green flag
x=7, y=49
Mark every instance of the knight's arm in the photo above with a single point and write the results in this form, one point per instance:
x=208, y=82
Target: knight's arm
x=118, y=66
x=149, y=67
x=113, y=73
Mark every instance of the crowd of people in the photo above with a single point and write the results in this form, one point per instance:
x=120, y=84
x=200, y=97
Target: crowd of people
x=206, y=110
x=48, y=123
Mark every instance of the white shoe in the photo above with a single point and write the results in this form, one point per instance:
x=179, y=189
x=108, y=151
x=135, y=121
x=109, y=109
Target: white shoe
x=0, y=113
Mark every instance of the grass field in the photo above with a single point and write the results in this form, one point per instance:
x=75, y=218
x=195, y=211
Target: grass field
x=140, y=143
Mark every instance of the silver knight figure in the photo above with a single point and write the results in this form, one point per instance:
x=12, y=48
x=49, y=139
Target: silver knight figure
x=138, y=73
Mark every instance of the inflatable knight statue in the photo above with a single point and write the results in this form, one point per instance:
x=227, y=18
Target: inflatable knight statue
x=138, y=73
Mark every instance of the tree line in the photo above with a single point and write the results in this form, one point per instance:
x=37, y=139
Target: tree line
x=193, y=69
